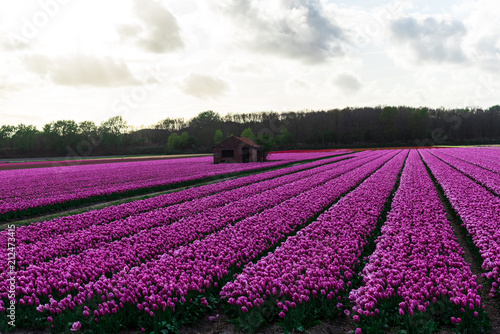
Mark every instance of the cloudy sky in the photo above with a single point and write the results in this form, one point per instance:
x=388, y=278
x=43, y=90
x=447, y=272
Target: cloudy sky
x=147, y=60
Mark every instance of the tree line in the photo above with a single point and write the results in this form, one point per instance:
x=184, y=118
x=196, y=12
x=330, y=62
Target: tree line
x=348, y=127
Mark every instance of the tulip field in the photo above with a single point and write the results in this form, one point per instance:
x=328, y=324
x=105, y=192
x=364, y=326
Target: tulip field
x=378, y=239
x=32, y=191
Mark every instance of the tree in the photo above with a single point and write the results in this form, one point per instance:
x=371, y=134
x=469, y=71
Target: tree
x=182, y=142
x=171, y=124
x=115, y=125
x=186, y=141
x=267, y=144
x=388, y=118
x=87, y=129
x=25, y=138
x=218, y=137
x=6, y=133
x=285, y=138
x=248, y=133
x=111, y=132
x=204, y=125
x=61, y=135
x=173, y=141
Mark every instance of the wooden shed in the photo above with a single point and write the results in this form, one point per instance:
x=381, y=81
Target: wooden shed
x=237, y=149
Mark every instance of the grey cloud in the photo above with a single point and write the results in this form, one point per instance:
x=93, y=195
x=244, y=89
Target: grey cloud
x=301, y=31
x=80, y=70
x=431, y=40
x=158, y=30
x=489, y=45
x=297, y=84
x=14, y=44
x=487, y=53
x=348, y=83
x=204, y=86
x=10, y=41
x=7, y=86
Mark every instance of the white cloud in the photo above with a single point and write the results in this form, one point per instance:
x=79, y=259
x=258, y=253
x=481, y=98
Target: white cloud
x=482, y=44
x=204, y=86
x=296, y=29
x=248, y=68
x=297, y=86
x=428, y=40
x=80, y=70
x=157, y=29
x=348, y=83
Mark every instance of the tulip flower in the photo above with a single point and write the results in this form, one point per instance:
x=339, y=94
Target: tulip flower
x=418, y=242
x=76, y=326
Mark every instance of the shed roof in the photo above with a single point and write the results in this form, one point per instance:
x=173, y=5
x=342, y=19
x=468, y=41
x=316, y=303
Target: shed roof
x=242, y=139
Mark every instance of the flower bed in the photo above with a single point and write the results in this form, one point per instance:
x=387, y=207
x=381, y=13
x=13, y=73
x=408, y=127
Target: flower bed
x=417, y=278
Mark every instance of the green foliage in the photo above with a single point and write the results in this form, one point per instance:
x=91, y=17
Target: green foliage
x=204, y=126
x=285, y=138
x=248, y=133
x=495, y=108
x=6, y=133
x=218, y=137
x=87, y=129
x=205, y=118
x=173, y=141
x=388, y=118
x=25, y=138
x=61, y=134
x=171, y=124
x=267, y=144
x=437, y=316
x=115, y=125
x=182, y=142
x=111, y=132
x=372, y=126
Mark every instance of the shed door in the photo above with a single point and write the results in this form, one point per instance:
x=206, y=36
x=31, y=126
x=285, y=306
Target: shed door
x=245, y=154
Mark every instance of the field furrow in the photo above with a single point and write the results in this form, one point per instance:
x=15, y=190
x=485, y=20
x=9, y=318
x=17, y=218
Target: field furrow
x=489, y=179
x=92, y=237
x=32, y=191
x=358, y=240
x=309, y=275
x=40, y=230
x=166, y=282
x=417, y=278
x=61, y=275
x=479, y=211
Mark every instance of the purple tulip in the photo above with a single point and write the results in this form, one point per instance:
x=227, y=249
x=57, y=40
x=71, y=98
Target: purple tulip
x=38, y=187
x=76, y=326
x=478, y=208
x=334, y=258
x=417, y=242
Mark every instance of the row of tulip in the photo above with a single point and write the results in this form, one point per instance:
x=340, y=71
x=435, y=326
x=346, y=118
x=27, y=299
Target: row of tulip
x=487, y=178
x=157, y=287
x=25, y=189
x=316, y=266
x=476, y=156
x=417, y=265
x=479, y=211
x=63, y=273
x=92, y=237
x=41, y=230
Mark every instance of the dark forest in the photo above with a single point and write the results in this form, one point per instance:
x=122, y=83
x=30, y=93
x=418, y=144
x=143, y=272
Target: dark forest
x=336, y=128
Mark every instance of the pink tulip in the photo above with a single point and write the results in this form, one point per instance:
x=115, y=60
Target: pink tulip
x=76, y=326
